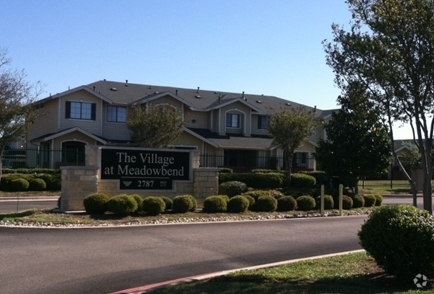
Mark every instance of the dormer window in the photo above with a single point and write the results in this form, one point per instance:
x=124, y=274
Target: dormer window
x=232, y=120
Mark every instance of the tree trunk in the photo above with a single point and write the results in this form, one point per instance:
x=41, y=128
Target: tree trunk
x=288, y=158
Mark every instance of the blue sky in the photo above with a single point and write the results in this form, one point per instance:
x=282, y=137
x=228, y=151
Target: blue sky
x=270, y=47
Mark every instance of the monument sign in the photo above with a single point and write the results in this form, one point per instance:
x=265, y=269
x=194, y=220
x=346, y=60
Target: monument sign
x=145, y=169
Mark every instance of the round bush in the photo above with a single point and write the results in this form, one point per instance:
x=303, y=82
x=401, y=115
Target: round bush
x=183, y=203
x=329, y=203
x=299, y=180
x=286, y=203
x=379, y=199
x=347, y=202
x=153, y=205
x=306, y=203
x=53, y=181
x=19, y=185
x=96, y=203
x=168, y=202
x=238, y=204
x=276, y=194
x=256, y=194
x=122, y=205
x=266, y=203
x=400, y=239
x=251, y=200
x=139, y=201
x=37, y=185
x=232, y=188
x=358, y=201
x=215, y=204
x=369, y=200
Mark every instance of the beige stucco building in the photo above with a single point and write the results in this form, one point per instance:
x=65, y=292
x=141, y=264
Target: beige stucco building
x=227, y=129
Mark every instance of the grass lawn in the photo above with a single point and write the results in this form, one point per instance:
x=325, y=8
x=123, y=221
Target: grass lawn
x=385, y=187
x=350, y=273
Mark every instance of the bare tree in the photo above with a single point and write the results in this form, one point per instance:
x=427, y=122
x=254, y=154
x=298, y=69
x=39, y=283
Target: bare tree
x=16, y=110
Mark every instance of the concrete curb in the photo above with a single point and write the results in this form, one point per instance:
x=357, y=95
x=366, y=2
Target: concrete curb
x=148, y=288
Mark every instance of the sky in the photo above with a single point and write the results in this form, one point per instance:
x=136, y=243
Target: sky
x=270, y=47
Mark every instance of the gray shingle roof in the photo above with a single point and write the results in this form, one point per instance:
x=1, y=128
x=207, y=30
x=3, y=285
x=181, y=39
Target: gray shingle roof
x=123, y=93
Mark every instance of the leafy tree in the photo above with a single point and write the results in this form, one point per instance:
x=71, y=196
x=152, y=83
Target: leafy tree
x=16, y=96
x=357, y=142
x=155, y=127
x=389, y=49
x=289, y=128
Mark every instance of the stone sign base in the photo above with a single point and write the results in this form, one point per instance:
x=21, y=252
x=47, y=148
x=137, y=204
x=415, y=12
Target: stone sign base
x=79, y=182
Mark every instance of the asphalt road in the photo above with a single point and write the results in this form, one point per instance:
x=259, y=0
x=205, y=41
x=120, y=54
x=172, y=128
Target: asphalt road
x=103, y=260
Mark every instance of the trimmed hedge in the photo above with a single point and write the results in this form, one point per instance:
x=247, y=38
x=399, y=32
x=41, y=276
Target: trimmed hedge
x=400, y=239
x=286, y=203
x=238, y=204
x=329, y=203
x=299, y=180
x=37, y=185
x=232, y=188
x=369, y=200
x=122, y=205
x=153, y=205
x=320, y=176
x=168, y=202
x=255, y=180
x=266, y=204
x=139, y=201
x=19, y=185
x=215, y=203
x=95, y=203
x=306, y=203
x=184, y=203
x=358, y=201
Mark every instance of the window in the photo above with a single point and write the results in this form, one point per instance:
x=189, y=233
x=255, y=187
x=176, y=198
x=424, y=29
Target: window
x=262, y=122
x=116, y=113
x=232, y=120
x=80, y=110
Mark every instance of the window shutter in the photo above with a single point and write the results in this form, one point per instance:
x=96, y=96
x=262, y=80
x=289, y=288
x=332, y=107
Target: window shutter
x=93, y=115
x=68, y=109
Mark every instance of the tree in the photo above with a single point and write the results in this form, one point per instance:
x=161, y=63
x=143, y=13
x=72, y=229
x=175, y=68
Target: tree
x=16, y=96
x=390, y=51
x=357, y=141
x=289, y=128
x=155, y=127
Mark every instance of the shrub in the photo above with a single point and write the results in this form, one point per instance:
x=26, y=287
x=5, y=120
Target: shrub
x=255, y=194
x=53, y=181
x=238, y=204
x=328, y=202
x=358, y=201
x=378, y=199
x=306, y=203
x=286, y=203
x=37, y=185
x=276, y=194
x=299, y=180
x=400, y=239
x=168, y=202
x=96, y=203
x=153, y=205
x=251, y=200
x=232, y=188
x=122, y=205
x=270, y=180
x=139, y=201
x=369, y=200
x=266, y=203
x=215, y=204
x=19, y=185
x=347, y=202
x=184, y=203
x=226, y=170
x=297, y=192
x=320, y=176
